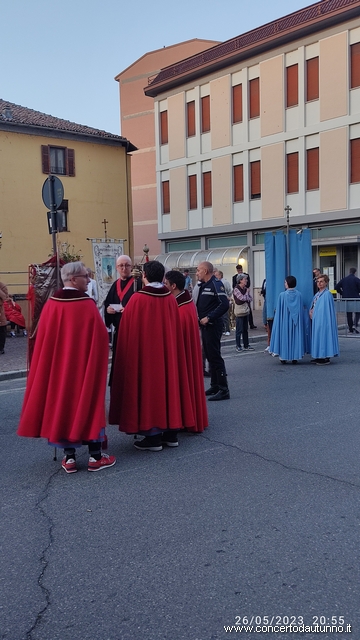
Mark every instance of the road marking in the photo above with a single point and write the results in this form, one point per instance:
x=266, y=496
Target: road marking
x=12, y=390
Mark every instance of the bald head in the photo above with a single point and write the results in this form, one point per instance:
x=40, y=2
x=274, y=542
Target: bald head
x=123, y=266
x=204, y=271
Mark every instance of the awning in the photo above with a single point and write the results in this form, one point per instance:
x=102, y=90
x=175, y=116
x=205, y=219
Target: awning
x=223, y=257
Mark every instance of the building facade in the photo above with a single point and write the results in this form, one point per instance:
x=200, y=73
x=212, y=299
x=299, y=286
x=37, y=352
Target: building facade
x=94, y=168
x=263, y=132
x=137, y=124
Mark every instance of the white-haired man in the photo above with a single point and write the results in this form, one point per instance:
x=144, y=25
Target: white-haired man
x=117, y=298
x=65, y=393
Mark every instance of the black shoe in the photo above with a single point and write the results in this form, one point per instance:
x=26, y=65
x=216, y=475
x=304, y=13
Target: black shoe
x=170, y=439
x=351, y=330
x=254, y=326
x=322, y=361
x=294, y=361
x=2, y=352
x=355, y=330
x=149, y=443
x=222, y=394
x=212, y=391
x=207, y=374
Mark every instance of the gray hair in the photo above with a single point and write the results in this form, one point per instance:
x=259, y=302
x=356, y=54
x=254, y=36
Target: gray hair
x=240, y=277
x=71, y=269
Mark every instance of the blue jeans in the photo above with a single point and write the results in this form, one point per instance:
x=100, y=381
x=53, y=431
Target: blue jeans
x=242, y=325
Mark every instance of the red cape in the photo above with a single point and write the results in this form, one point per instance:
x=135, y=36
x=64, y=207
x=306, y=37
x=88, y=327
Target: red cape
x=13, y=313
x=150, y=384
x=65, y=392
x=190, y=328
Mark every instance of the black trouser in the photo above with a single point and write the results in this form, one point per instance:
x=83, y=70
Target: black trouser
x=350, y=321
x=2, y=337
x=211, y=339
x=242, y=330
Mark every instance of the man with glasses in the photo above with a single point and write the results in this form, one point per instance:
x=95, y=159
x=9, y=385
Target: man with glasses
x=117, y=298
x=65, y=393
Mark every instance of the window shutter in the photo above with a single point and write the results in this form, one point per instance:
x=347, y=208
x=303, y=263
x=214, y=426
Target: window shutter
x=45, y=158
x=355, y=65
x=166, y=196
x=205, y=114
x=190, y=107
x=238, y=183
x=312, y=79
x=70, y=162
x=237, y=115
x=192, y=192
x=254, y=92
x=355, y=160
x=312, y=169
x=292, y=97
x=255, y=180
x=207, y=195
x=164, y=138
x=292, y=173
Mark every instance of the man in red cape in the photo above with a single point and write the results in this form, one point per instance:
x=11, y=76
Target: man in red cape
x=150, y=391
x=175, y=281
x=65, y=393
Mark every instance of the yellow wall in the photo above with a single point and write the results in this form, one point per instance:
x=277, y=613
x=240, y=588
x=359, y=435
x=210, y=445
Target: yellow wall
x=272, y=181
x=333, y=76
x=220, y=91
x=333, y=169
x=99, y=190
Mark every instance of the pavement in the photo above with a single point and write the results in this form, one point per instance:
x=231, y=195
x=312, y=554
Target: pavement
x=255, y=519
x=13, y=364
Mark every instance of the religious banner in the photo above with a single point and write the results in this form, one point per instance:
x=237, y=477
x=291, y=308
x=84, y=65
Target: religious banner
x=105, y=253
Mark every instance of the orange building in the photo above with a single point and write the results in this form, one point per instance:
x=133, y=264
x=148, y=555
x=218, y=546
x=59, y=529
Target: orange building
x=138, y=125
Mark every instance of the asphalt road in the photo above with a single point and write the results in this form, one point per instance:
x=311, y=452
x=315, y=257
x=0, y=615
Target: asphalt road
x=259, y=516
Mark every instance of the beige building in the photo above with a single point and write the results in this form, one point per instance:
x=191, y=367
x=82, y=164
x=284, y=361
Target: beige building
x=94, y=168
x=138, y=125
x=265, y=121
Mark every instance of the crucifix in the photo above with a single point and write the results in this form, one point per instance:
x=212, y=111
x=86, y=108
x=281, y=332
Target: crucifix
x=105, y=222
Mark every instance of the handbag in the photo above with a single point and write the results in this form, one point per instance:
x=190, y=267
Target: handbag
x=241, y=309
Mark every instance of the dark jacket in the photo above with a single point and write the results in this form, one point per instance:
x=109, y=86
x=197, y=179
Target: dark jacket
x=212, y=300
x=349, y=287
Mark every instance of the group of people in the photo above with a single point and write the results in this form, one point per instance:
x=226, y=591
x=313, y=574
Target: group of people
x=156, y=381
x=296, y=331
x=156, y=378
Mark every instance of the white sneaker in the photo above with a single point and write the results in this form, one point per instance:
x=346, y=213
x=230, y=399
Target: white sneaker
x=227, y=333
x=267, y=350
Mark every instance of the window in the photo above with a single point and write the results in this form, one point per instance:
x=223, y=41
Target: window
x=312, y=79
x=355, y=65
x=192, y=192
x=355, y=160
x=190, y=113
x=165, y=196
x=205, y=114
x=292, y=98
x=238, y=176
x=312, y=169
x=58, y=160
x=254, y=98
x=207, y=195
x=255, y=180
x=237, y=114
x=164, y=136
x=292, y=173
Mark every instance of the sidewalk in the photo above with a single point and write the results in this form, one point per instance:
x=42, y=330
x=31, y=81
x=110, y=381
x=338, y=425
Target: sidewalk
x=13, y=364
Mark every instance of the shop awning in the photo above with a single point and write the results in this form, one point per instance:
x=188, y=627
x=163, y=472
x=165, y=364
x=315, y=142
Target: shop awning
x=191, y=259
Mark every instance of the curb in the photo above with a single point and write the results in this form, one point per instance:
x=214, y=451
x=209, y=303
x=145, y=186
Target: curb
x=22, y=373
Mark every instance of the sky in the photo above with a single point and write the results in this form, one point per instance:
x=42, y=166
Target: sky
x=61, y=57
